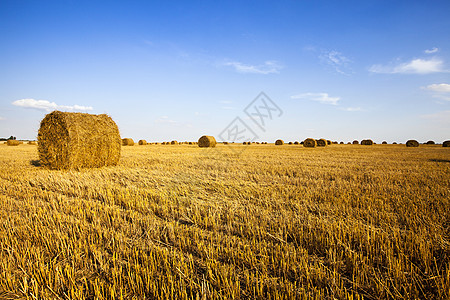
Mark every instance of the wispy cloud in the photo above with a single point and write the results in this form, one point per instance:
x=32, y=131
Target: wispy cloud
x=269, y=67
x=166, y=120
x=440, y=90
x=336, y=60
x=431, y=51
x=415, y=66
x=319, y=97
x=45, y=105
x=442, y=117
x=352, y=109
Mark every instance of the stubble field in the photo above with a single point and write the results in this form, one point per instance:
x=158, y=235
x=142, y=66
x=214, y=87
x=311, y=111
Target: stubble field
x=270, y=222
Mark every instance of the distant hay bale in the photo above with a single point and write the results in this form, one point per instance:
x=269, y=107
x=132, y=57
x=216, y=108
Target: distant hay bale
x=341, y=143
x=142, y=142
x=290, y=143
x=394, y=143
x=412, y=143
x=367, y=142
x=310, y=143
x=446, y=144
x=328, y=142
x=334, y=143
x=12, y=143
x=207, y=141
x=355, y=142
x=174, y=143
x=78, y=140
x=257, y=143
x=127, y=142
x=430, y=143
x=321, y=142
x=348, y=143
x=384, y=143
x=31, y=143
x=279, y=142
x=296, y=143
x=225, y=143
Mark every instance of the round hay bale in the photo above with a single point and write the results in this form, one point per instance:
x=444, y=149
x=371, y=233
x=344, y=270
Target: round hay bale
x=296, y=143
x=127, y=142
x=384, y=143
x=174, y=143
x=430, y=143
x=321, y=142
x=412, y=143
x=355, y=142
x=394, y=143
x=328, y=142
x=207, y=141
x=31, y=143
x=225, y=143
x=290, y=143
x=142, y=142
x=348, y=143
x=310, y=143
x=78, y=140
x=341, y=143
x=12, y=143
x=446, y=144
x=279, y=142
x=367, y=142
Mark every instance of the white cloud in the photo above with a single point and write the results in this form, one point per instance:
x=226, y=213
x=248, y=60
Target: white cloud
x=430, y=51
x=352, y=109
x=439, y=117
x=415, y=66
x=319, y=97
x=337, y=60
x=49, y=106
x=440, y=90
x=269, y=67
x=1, y=119
x=441, y=87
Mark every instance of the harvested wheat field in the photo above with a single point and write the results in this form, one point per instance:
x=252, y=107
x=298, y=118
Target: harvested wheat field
x=230, y=222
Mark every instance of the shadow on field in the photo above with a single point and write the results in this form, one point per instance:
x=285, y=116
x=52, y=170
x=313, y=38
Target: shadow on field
x=36, y=163
x=440, y=160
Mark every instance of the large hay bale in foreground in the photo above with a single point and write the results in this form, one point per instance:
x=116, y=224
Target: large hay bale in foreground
x=142, y=142
x=412, y=143
x=127, y=142
x=12, y=143
x=78, y=140
x=321, y=142
x=279, y=142
x=310, y=143
x=367, y=142
x=207, y=141
x=446, y=144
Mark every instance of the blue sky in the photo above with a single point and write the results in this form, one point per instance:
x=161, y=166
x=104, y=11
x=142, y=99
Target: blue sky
x=166, y=70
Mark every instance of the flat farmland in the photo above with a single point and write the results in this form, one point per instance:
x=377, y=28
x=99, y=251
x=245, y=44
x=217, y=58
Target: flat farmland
x=231, y=222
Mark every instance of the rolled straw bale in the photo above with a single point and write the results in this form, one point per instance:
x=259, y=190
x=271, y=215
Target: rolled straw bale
x=384, y=143
x=290, y=143
x=127, y=142
x=225, y=143
x=412, y=143
x=12, y=143
x=78, y=140
x=321, y=142
x=310, y=143
x=174, y=143
x=31, y=143
x=142, y=142
x=279, y=142
x=430, y=143
x=341, y=143
x=355, y=142
x=207, y=141
x=367, y=142
x=328, y=142
x=446, y=144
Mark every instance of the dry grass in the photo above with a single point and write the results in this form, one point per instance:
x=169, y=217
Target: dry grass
x=274, y=222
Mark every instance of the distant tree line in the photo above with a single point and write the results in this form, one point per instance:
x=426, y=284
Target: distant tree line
x=10, y=138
